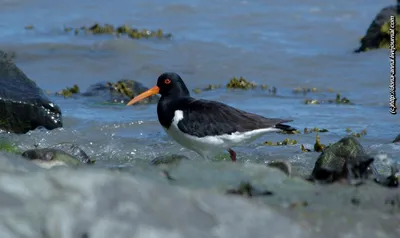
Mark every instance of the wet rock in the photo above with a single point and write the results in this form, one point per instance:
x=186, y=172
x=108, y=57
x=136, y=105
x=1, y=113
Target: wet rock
x=397, y=139
x=48, y=157
x=103, y=204
x=120, y=92
x=75, y=151
x=345, y=159
x=23, y=105
x=377, y=35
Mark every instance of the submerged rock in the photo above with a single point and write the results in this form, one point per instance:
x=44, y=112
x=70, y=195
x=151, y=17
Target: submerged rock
x=48, y=157
x=345, y=159
x=120, y=92
x=73, y=150
x=378, y=35
x=23, y=105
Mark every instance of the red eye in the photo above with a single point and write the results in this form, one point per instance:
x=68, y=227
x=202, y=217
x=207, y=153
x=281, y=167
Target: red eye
x=167, y=81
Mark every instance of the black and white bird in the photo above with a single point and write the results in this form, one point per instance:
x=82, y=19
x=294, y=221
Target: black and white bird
x=205, y=126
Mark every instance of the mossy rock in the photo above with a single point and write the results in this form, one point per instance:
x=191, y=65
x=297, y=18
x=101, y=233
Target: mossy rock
x=378, y=34
x=48, y=157
x=108, y=29
x=73, y=150
x=334, y=159
x=68, y=92
x=240, y=83
x=119, y=92
x=62, y=154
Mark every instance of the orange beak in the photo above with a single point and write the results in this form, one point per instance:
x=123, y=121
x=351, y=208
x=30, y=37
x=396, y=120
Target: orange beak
x=152, y=91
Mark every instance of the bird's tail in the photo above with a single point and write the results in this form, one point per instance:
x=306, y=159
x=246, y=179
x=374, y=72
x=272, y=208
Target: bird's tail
x=284, y=127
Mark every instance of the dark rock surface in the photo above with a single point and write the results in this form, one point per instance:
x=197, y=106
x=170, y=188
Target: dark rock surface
x=23, y=105
x=120, y=92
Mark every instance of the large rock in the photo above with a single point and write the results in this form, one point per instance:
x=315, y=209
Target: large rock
x=377, y=35
x=334, y=161
x=119, y=92
x=23, y=105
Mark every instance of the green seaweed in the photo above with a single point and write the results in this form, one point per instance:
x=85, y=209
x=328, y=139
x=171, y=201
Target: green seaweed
x=108, y=29
x=210, y=87
x=286, y=141
x=68, y=92
x=315, y=129
x=29, y=27
x=240, y=83
x=318, y=147
x=356, y=134
x=9, y=147
x=304, y=149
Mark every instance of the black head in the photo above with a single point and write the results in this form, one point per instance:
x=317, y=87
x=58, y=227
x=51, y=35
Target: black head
x=172, y=84
x=168, y=85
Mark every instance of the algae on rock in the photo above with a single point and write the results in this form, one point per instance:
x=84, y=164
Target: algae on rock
x=378, y=33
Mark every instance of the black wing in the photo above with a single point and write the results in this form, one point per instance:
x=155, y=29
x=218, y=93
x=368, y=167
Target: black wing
x=204, y=118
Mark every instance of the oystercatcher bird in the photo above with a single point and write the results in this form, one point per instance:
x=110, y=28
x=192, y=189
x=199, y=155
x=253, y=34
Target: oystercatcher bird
x=205, y=126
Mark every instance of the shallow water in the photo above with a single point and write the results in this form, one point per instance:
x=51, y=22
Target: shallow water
x=284, y=44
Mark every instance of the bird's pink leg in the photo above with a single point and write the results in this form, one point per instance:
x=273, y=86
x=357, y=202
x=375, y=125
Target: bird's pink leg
x=233, y=155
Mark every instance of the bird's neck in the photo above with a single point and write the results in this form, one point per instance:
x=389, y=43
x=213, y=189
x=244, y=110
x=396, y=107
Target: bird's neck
x=166, y=110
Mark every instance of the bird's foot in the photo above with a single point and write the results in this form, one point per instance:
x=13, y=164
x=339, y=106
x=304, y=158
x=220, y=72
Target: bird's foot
x=232, y=154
